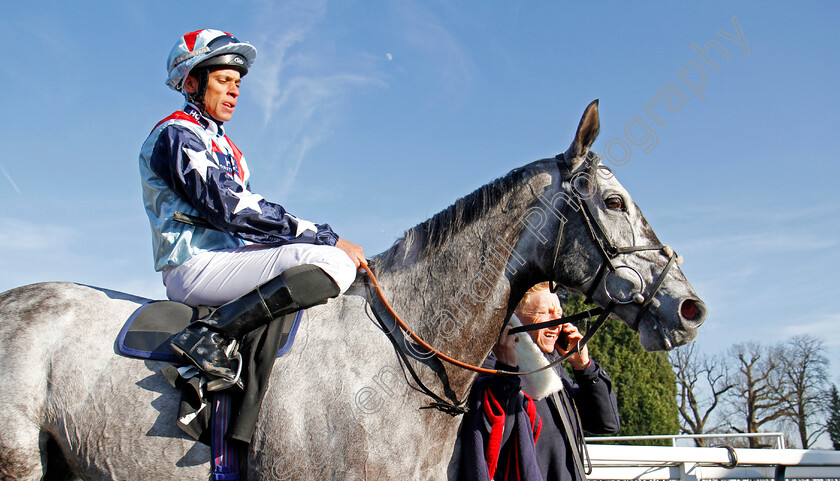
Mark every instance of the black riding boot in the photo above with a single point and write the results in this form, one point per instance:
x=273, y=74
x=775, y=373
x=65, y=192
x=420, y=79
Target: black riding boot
x=203, y=343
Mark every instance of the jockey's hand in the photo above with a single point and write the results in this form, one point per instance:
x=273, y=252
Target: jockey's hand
x=353, y=251
x=505, y=349
x=578, y=360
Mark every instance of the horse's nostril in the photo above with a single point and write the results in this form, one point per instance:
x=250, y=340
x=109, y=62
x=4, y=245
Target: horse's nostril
x=692, y=310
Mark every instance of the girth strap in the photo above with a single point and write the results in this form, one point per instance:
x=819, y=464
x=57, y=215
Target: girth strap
x=225, y=452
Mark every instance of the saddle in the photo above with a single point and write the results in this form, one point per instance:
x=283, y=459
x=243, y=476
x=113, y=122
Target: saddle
x=146, y=334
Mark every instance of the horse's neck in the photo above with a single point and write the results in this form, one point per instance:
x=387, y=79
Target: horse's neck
x=456, y=298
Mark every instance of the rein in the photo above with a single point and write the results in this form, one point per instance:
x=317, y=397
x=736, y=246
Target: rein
x=418, y=339
x=457, y=408
x=590, y=332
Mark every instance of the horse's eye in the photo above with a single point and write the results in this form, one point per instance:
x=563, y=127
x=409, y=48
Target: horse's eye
x=615, y=203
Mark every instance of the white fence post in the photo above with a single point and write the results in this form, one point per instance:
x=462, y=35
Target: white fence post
x=690, y=472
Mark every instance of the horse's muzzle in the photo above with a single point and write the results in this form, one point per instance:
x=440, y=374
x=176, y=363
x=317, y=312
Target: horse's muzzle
x=658, y=334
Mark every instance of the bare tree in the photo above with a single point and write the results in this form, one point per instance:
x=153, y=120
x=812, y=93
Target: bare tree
x=802, y=386
x=701, y=383
x=753, y=398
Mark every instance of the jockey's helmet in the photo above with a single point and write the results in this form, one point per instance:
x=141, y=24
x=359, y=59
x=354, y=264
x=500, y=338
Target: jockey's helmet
x=206, y=49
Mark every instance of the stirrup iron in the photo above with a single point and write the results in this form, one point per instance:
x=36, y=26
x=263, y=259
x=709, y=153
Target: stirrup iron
x=220, y=384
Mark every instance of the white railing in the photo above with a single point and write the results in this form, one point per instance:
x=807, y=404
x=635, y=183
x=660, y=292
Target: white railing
x=619, y=462
x=779, y=438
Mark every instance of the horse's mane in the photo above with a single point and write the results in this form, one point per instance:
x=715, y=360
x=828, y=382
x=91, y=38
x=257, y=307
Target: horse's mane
x=426, y=236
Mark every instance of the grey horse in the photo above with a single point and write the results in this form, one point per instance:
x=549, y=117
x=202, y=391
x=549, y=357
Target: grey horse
x=339, y=405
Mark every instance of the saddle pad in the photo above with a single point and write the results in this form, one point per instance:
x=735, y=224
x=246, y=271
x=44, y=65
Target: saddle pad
x=147, y=332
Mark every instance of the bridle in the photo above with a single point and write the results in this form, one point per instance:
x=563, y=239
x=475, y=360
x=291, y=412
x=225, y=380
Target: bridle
x=609, y=253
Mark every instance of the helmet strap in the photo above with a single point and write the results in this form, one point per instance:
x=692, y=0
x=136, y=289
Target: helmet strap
x=197, y=97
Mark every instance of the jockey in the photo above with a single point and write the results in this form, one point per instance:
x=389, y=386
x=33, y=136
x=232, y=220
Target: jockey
x=251, y=256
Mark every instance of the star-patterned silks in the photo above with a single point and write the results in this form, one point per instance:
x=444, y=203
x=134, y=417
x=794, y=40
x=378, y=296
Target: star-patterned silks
x=303, y=225
x=199, y=162
x=220, y=190
x=247, y=200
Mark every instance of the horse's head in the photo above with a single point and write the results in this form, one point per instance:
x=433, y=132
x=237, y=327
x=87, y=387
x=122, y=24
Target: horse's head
x=594, y=240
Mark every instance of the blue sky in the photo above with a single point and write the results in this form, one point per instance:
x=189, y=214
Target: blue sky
x=374, y=115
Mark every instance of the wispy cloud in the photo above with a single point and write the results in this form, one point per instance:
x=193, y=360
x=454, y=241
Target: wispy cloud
x=428, y=33
x=269, y=78
x=306, y=75
x=11, y=181
x=303, y=80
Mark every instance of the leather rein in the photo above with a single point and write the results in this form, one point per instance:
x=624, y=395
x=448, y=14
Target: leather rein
x=374, y=284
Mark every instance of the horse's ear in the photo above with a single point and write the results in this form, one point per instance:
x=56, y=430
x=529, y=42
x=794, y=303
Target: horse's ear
x=587, y=132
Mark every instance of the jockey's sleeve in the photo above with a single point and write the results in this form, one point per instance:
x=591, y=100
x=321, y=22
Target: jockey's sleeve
x=190, y=170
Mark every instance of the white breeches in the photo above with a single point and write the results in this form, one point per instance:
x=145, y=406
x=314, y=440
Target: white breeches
x=214, y=278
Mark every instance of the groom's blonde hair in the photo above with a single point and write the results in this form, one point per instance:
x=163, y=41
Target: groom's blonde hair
x=542, y=286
